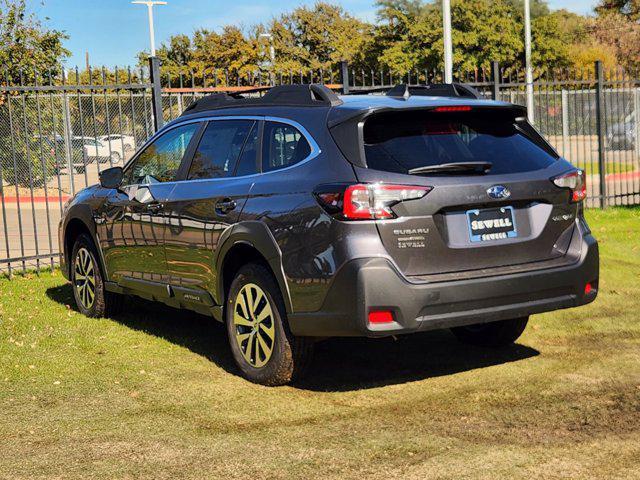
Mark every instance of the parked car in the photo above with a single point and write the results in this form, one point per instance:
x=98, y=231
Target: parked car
x=305, y=215
x=124, y=143
x=102, y=151
x=58, y=148
x=622, y=136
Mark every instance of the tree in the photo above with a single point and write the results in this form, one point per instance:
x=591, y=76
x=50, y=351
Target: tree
x=620, y=33
x=26, y=47
x=627, y=8
x=25, y=44
x=539, y=8
x=318, y=37
x=483, y=30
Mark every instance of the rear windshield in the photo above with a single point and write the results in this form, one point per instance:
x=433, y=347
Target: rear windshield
x=400, y=141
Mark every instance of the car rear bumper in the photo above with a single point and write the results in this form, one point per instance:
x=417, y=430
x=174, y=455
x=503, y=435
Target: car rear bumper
x=368, y=284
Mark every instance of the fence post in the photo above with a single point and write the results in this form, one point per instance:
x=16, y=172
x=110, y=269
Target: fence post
x=344, y=76
x=565, y=123
x=600, y=126
x=156, y=92
x=636, y=109
x=495, y=69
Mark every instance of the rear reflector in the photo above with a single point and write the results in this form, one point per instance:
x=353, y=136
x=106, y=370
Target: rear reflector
x=588, y=288
x=380, y=316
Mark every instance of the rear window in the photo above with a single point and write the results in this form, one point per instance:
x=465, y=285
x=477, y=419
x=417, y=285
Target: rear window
x=400, y=141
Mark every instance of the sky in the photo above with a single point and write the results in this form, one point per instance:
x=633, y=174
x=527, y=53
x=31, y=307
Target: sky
x=114, y=31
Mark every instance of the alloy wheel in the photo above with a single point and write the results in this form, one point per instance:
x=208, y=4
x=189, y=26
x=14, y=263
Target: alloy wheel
x=85, y=278
x=254, y=325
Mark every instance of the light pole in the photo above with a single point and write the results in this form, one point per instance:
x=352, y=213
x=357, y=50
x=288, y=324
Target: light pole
x=150, y=4
x=448, y=44
x=527, y=55
x=272, y=56
x=272, y=51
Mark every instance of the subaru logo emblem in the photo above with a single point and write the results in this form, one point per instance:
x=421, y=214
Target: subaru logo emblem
x=499, y=192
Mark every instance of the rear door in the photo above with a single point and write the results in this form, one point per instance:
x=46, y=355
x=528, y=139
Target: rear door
x=209, y=200
x=475, y=219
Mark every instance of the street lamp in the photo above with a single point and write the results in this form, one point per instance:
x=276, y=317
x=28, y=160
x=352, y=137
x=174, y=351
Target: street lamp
x=150, y=4
x=527, y=56
x=272, y=51
x=448, y=44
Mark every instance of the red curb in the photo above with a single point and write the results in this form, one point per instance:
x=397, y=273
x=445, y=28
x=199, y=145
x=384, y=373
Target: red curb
x=623, y=176
x=38, y=199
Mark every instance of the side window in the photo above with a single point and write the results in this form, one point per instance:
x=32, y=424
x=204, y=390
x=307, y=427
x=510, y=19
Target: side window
x=221, y=145
x=282, y=146
x=160, y=161
x=247, y=162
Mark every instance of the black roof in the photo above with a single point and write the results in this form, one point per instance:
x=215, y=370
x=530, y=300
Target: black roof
x=308, y=95
x=316, y=95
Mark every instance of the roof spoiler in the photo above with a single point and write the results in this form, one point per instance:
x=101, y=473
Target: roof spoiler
x=434, y=90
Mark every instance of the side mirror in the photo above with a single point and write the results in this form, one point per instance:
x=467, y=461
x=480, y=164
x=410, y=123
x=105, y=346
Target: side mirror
x=111, y=177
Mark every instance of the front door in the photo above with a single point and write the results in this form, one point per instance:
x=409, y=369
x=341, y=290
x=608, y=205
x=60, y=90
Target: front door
x=210, y=200
x=133, y=219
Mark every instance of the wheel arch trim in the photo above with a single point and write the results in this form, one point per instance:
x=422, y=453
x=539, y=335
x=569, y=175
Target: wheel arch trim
x=81, y=213
x=256, y=235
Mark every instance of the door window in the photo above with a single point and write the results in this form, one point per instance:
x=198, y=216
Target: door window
x=283, y=146
x=160, y=161
x=247, y=162
x=219, y=149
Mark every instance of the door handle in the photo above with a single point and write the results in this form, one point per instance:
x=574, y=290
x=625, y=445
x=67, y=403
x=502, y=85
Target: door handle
x=155, y=207
x=226, y=205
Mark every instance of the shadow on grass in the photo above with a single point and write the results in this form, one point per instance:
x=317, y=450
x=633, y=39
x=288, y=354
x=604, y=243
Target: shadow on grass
x=340, y=364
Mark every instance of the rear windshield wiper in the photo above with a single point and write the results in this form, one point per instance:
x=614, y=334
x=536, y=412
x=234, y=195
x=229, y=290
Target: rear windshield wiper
x=476, y=167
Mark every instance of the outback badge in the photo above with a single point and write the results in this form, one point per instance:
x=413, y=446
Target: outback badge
x=499, y=192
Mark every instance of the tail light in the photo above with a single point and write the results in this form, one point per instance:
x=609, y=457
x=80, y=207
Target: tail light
x=366, y=201
x=574, y=181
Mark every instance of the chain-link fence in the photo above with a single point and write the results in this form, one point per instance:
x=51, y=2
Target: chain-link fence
x=56, y=137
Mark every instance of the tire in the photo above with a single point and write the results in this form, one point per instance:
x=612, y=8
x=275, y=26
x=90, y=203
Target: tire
x=494, y=334
x=251, y=337
x=87, y=280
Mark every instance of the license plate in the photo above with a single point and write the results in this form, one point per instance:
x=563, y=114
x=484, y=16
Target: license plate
x=491, y=224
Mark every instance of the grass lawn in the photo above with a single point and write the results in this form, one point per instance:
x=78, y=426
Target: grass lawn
x=153, y=393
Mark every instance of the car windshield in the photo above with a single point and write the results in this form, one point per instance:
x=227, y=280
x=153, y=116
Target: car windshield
x=401, y=142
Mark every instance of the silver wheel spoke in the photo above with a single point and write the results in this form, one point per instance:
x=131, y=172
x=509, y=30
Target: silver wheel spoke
x=85, y=280
x=253, y=325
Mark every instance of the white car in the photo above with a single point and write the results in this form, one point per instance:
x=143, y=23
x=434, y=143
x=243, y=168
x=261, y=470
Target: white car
x=126, y=143
x=108, y=148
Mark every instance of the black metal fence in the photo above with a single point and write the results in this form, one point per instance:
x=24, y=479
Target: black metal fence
x=56, y=135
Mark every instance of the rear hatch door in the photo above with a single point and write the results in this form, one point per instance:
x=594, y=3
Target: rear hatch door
x=499, y=208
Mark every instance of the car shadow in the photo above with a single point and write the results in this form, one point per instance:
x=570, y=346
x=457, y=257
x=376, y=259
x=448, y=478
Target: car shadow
x=339, y=364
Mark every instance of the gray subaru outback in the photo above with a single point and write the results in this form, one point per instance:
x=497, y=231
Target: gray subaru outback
x=302, y=215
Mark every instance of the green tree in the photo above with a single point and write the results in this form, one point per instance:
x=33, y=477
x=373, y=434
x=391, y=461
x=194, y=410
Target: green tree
x=483, y=30
x=539, y=8
x=627, y=8
x=318, y=37
x=25, y=44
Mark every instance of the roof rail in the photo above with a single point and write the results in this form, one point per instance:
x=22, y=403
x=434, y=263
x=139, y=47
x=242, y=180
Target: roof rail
x=434, y=90
x=286, y=95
